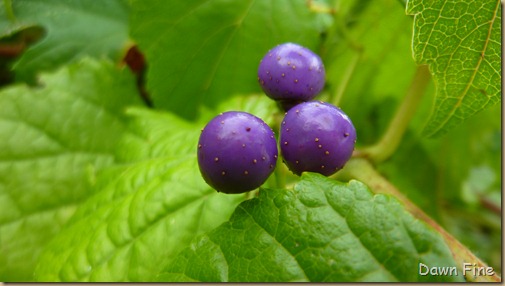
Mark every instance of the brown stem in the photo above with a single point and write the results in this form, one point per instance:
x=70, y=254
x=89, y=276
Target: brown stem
x=12, y=50
x=486, y=203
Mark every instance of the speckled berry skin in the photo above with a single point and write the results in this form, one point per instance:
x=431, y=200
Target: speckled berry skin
x=316, y=137
x=237, y=152
x=291, y=73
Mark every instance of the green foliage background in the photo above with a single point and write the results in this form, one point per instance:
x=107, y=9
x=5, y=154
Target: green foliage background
x=98, y=185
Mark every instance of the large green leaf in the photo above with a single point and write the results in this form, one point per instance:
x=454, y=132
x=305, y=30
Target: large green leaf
x=144, y=211
x=148, y=210
x=73, y=29
x=321, y=231
x=156, y=134
x=205, y=51
x=52, y=140
x=461, y=41
x=139, y=219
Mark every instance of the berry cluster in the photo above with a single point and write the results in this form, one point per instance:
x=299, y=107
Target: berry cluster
x=237, y=151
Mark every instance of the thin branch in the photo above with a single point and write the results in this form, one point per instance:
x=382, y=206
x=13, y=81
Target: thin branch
x=488, y=204
x=336, y=97
x=389, y=142
x=9, y=11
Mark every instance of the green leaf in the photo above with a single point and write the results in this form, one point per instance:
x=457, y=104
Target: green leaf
x=321, y=231
x=259, y=105
x=144, y=211
x=73, y=29
x=156, y=133
x=201, y=52
x=53, y=139
x=461, y=41
x=139, y=219
x=480, y=180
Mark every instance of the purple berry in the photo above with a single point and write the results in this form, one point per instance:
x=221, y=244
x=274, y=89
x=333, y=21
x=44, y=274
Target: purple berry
x=237, y=152
x=291, y=73
x=316, y=137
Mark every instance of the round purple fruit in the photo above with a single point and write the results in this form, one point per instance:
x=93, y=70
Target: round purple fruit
x=291, y=73
x=316, y=137
x=237, y=152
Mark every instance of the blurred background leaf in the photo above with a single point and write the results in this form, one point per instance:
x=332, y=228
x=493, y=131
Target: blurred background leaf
x=71, y=29
x=202, y=52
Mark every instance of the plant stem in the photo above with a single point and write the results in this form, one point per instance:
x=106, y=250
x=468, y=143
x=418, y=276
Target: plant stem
x=338, y=32
x=488, y=204
x=336, y=97
x=390, y=140
x=280, y=177
x=362, y=170
x=9, y=11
